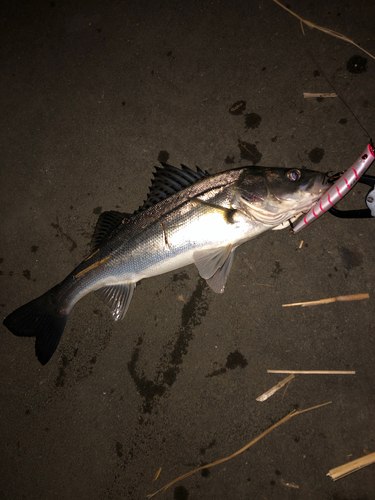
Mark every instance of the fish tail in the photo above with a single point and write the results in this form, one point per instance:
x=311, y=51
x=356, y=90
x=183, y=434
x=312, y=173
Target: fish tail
x=41, y=319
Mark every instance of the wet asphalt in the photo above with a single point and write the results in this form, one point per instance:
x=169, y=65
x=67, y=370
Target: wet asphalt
x=94, y=94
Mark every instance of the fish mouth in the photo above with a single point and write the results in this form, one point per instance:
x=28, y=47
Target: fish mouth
x=317, y=186
x=326, y=180
x=332, y=178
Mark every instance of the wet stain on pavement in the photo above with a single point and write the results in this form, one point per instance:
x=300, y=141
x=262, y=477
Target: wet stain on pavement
x=249, y=152
x=316, y=155
x=277, y=269
x=215, y=373
x=234, y=360
x=34, y=248
x=163, y=156
x=208, y=447
x=350, y=259
x=97, y=210
x=229, y=160
x=252, y=120
x=181, y=276
x=343, y=121
x=356, y=64
x=191, y=316
x=147, y=389
x=87, y=359
x=119, y=450
x=60, y=380
x=27, y=274
x=180, y=493
x=61, y=233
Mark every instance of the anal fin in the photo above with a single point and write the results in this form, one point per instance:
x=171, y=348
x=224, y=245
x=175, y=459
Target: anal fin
x=117, y=298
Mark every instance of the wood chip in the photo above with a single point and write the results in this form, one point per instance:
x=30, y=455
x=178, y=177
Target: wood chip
x=236, y=107
x=311, y=95
x=339, y=298
x=157, y=474
x=313, y=372
x=275, y=388
x=354, y=465
x=92, y=255
x=244, y=147
x=93, y=266
x=290, y=485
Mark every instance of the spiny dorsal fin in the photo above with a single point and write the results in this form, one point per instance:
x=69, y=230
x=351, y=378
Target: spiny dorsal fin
x=169, y=180
x=107, y=222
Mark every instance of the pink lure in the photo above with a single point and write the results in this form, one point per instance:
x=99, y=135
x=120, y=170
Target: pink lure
x=339, y=189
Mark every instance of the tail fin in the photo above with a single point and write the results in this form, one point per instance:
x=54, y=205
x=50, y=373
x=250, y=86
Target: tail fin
x=39, y=319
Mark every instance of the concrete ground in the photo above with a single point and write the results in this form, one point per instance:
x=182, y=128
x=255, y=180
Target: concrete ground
x=94, y=94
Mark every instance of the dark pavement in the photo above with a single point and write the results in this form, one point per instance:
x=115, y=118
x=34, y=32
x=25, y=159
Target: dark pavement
x=94, y=94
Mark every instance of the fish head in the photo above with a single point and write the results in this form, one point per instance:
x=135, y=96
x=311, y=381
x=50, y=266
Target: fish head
x=272, y=196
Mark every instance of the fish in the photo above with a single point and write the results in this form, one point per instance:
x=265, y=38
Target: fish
x=188, y=217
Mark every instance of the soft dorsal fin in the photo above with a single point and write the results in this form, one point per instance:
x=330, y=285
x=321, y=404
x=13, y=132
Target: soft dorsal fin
x=169, y=180
x=107, y=222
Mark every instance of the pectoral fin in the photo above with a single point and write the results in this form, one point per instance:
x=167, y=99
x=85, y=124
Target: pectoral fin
x=214, y=266
x=217, y=282
x=117, y=298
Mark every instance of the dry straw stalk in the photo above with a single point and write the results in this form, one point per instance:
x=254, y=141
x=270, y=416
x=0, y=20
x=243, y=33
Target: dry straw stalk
x=321, y=28
x=246, y=447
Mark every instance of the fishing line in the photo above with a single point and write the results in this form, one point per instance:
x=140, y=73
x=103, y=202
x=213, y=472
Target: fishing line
x=337, y=93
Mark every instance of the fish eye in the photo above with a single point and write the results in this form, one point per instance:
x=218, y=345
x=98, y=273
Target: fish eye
x=293, y=175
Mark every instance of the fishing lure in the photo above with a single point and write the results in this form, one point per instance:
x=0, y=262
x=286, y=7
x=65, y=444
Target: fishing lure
x=339, y=189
